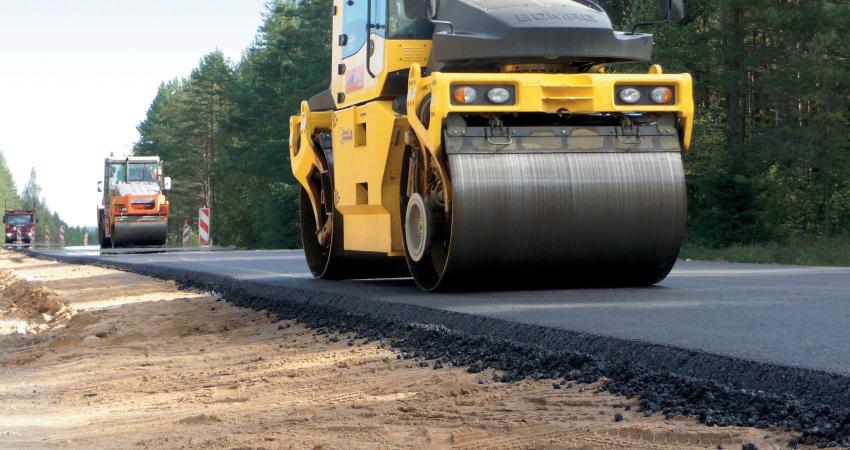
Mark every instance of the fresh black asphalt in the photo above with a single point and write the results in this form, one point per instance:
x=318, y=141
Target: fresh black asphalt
x=787, y=315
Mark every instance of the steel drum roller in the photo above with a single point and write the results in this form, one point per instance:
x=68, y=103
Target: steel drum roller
x=563, y=216
x=140, y=231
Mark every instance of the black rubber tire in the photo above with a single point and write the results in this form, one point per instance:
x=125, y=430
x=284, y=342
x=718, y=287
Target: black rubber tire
x=323, y=261
x=332, y=262
x=428, y=270
x=104, y=241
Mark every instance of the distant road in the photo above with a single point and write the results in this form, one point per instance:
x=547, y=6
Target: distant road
x=787, y=315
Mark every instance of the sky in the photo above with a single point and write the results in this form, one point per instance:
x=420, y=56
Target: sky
x=77, y=77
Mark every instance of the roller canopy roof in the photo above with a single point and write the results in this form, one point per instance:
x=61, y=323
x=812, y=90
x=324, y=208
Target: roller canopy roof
x=494, y=33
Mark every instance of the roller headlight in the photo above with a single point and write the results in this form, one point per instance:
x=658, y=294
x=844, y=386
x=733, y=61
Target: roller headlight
x=630, y=95
x=647, y=95
x=661, y=95
x=482, y=94
x=498, y=95
x=465, y=95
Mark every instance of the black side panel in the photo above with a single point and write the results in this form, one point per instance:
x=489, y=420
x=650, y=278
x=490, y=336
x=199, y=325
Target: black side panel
x=396, y=84
x=323, y=101
x=537, y=46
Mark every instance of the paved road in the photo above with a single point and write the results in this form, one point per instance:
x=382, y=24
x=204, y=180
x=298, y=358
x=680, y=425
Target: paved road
x=787, y=315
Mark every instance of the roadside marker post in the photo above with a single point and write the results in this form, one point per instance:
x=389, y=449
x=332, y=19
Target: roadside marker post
x=187, y=233
x=62, y=235
x=86, y=239
x=204, y=226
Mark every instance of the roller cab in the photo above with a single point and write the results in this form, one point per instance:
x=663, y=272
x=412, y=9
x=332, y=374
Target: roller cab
x=134, y=209
x=477, y=143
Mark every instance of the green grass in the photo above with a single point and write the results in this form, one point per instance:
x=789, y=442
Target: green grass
x=809, y=252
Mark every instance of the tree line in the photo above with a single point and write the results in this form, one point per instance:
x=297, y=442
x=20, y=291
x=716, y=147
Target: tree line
x=223, y=130
x=29, y=198
x=770, y=159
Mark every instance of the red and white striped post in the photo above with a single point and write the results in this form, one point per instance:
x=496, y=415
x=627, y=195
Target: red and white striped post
x=86, y=239
x=47, y=235
x=187, y=233
x=62, y=235
x=204, y=226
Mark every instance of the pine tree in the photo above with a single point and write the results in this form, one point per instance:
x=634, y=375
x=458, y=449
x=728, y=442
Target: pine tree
x=8, y=191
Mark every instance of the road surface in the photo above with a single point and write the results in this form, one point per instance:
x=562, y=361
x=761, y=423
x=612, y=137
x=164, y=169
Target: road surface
x=786, y=315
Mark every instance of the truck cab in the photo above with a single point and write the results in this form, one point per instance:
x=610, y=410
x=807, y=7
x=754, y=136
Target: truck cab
x=19, y=226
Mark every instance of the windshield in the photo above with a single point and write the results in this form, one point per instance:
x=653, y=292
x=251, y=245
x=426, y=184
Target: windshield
x=142, y=172
x=19, y=219
x=400, y=27
x=137, y=172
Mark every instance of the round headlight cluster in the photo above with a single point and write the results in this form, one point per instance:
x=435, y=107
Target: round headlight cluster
x=661, y=95
x=465, y=95
x=630, y=95
x=646, y=95
x=468, y=95
x=499, y=95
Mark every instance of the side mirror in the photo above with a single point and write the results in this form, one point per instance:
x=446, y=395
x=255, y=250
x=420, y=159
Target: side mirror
x=671, y=9
x=100, y=186
x=416, y=9
x=166, y=183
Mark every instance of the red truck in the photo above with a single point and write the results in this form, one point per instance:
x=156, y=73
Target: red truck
x=20, y=224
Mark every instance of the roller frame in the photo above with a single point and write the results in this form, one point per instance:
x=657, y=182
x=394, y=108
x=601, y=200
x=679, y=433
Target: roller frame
x=428, y=106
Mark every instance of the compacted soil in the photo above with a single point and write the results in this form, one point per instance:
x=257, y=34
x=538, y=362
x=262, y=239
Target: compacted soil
x=97, y=358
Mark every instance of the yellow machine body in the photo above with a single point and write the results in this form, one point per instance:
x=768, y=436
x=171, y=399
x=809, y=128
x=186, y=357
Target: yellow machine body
x=368, y=132
x=368, y=139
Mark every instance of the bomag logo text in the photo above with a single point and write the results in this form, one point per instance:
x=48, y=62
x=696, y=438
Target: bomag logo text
x=528, y=17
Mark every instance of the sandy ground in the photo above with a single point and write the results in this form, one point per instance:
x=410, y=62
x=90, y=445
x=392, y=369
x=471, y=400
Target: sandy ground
x=96, y=358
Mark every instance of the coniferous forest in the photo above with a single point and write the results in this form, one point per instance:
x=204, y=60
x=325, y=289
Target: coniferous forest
x=769, y=167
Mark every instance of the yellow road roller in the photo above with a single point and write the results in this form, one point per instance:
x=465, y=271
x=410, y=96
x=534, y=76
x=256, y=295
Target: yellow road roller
x=481, y=143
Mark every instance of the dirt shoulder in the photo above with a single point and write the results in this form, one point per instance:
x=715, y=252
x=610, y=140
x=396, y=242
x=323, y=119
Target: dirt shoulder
x=97, y=358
